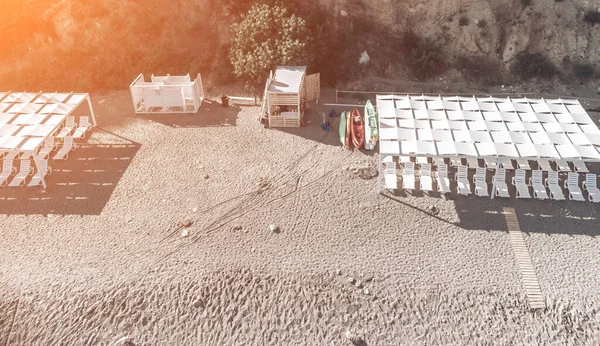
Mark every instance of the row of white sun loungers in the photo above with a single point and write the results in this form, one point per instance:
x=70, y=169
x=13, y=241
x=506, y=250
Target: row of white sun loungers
x=544, y=165
x=522, y=186
x=25, y=170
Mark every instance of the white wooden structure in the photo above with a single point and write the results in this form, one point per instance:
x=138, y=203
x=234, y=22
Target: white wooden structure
x=493, y=129
x=286, y=92
x=167, y=94
x=27, y=120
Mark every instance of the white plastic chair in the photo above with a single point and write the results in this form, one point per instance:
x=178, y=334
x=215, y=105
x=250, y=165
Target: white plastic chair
x=481, y=186
x=391, y=180
x=63, y=152
x=82, y=129
x=536, y=181
x=552, y=184
x=69, y=126
x=24, y=171
x=501, y=186
x=462, y=181
x=47, y=149
x=520, y=184
x=590, y=186
x=572, y=184
x=7, y=171
x=426, y=183
x=443, y=182
x=523, y=164
x=580, y=167
x=544, y=165
x=43, y=170
x=472, y=162
x=408, y=176
x=562, y=166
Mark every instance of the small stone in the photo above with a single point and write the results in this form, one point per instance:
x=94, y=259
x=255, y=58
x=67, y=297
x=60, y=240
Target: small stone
x=274, y=228
x=164, y=201
x=351, y=280
x=366, y=291
x=359, y=284
x=194, y=210
x=353, y=337
x=124, y=341
x=237, y=227
x=198, y=303
x=338, y=272
x=206, y=176
x=186, y=223
x=368, y=278
x=252, y=250
x=185, y=233
x=101, y=102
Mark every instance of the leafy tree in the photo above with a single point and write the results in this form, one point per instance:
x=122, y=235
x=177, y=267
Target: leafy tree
x=266, y=37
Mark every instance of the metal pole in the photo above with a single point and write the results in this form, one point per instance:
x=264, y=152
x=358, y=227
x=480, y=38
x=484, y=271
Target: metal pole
x=336, y=96
x=494, y=182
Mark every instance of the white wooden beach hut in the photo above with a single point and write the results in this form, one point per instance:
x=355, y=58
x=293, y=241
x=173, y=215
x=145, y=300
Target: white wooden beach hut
x=286, y=93
x=167, y=94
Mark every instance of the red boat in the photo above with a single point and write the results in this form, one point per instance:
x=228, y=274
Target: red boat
x=358, y=129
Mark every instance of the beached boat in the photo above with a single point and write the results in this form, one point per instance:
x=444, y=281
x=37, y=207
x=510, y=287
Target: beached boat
x=357, y=128
x=371, y=128
x=348, y=130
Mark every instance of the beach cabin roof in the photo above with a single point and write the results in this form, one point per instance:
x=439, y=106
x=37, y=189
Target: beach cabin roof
x=287, y=79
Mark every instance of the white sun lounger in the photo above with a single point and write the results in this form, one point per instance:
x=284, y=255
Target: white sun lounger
x=490, y=164
x=47, y=149
x=422, y=159
x=562, y=166
x=462, y=181
x=580, y=167
x=69, y=126
x=572, y=184
x=24, y=171
x=391, y=180
x=82, y=129
x=523, y=164
x=7, y=171
x=501, y=186
x=43, y=170
x=590, y=185
x=520, y=184
x=426, y=183
x=544, y=165
x=472, y=162
x=506, y=163
x=443, y=182
x=536, y=181
x=481, y=186
x=63, y=153
x=408, y=176
x=455, y=162
x=439, y=161
x=552, y=184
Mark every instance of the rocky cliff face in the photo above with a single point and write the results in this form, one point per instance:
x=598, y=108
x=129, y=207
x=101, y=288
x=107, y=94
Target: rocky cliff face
x=498, y=29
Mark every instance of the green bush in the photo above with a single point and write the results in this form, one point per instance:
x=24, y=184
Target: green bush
x=425, y=59
x=533, y=65
x=464, y=20
x=583, y=71
x=526, y=3
x=592, y=16
x=266, y=37
x=481, y=69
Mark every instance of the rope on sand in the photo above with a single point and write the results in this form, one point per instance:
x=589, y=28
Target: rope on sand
x=530, y=281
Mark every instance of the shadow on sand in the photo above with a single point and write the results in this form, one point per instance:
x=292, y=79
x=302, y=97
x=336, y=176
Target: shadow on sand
x=80, y=185
x=210, y=114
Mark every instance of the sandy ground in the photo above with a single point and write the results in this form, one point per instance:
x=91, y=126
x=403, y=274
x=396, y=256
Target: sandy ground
x=98, y=259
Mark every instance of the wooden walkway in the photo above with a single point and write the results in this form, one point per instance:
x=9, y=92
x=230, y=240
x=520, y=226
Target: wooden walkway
x=530, y=281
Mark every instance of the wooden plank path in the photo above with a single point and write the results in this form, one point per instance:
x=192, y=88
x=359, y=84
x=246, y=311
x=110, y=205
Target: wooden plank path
x=530, y=281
